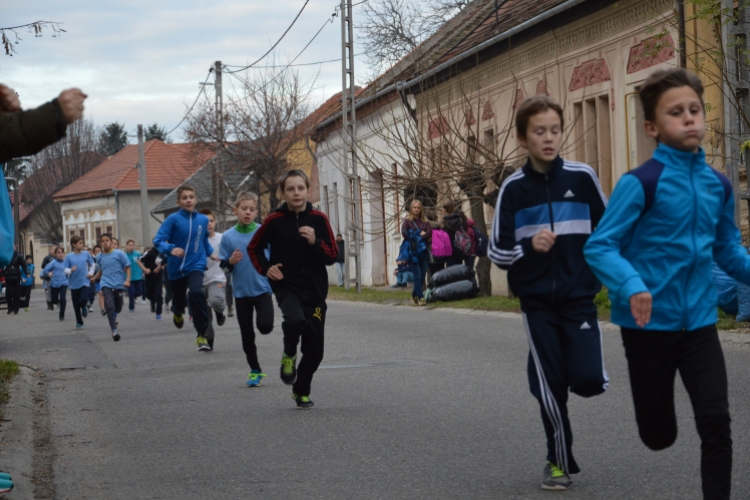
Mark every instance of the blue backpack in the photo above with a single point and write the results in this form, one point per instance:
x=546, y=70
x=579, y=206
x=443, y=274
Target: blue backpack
x=482, y=243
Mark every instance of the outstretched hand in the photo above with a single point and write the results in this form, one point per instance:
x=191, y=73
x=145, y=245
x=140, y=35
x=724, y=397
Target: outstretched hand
x=71, y=103
x=9, y=102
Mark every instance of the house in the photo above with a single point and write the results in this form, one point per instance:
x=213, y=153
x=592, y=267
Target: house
x=108, y=199
x=443, y=117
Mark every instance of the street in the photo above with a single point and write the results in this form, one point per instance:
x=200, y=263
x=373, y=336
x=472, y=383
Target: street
x=410, y=403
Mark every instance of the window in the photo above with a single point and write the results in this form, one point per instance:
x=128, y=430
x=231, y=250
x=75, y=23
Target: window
x=98, y=234
x=82, y=234
x=109, y=230
x=594, y=138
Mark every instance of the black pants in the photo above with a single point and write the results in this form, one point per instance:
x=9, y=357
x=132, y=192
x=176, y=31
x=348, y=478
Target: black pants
x=263, y=306
x=13, y=295
x=565, y=353
x=306, y=322
x=154, y=292
x=654, y=357
x=80, y=299
x=26, y=295
x=191, y=288
x=113, y=304
x=58, y=297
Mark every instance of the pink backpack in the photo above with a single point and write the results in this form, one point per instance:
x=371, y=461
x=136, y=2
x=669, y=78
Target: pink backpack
x=441, y=244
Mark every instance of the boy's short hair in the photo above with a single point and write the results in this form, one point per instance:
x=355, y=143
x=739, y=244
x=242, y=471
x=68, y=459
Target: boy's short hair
x=128, y=242
x=106, y=235
x=98, y=246
x=533, y=106
x=245, y=196
x=183, y=188
x=207, y=212
x=660, y=82
x=75, y=239
x=29, y=257
x=293, y=173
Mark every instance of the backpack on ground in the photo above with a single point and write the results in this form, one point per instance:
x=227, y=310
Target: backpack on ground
x=482, y=243
x=441, y=244
x=462, y=241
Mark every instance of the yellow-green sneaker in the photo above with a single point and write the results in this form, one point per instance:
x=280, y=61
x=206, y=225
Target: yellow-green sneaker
x=178, y=320
x=288, y=370
x=202, y=343
x=254, y=378
x=303, y=402
x=555, y=479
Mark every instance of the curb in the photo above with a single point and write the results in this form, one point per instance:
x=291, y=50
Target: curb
x=17, y=433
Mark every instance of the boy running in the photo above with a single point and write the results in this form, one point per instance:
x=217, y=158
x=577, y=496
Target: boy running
x=154, y=264
x=135, y=289
x=214, y=280
x=252, y=290
x=114, y=275
x=302, y=245
x=27, y=282
x=58, y=281
x=77, y=264
x=184, y=237
x=545, y=213
x=668, y=221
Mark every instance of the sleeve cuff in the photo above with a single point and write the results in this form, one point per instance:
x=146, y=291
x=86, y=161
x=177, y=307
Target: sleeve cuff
x=631, y=287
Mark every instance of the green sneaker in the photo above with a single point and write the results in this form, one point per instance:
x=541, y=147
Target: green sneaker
x=555, y=479
x=288, y=370
x=178, y=320
x=254, y=378
x=202, y=343
x=303, y=402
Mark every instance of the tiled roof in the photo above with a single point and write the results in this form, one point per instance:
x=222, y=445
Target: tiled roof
x=25, y=209
x=167, y=166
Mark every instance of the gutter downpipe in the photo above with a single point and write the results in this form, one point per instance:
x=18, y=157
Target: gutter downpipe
x=404, y=86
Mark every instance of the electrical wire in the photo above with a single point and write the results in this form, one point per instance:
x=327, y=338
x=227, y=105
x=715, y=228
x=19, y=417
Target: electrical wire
x=275, y=44
x=202, y=90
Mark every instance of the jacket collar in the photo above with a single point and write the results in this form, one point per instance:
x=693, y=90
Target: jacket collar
x=557, y=164
x=681, y=159
x=284, y=209
x=185, y=213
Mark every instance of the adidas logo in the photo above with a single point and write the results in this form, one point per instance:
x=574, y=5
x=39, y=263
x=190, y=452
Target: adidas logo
x=585, y=326
x=569, y=194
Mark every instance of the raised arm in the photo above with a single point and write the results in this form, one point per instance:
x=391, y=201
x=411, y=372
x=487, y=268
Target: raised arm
x=257, y=246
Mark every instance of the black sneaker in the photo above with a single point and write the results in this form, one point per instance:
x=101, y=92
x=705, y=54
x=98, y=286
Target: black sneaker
x=288, y=370
x=115, y=336
x=220, y=319
x=303, y=402
x=178, y=320
x=104, y=312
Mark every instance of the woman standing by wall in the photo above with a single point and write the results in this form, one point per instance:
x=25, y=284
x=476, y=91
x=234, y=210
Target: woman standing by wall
x=416, y=221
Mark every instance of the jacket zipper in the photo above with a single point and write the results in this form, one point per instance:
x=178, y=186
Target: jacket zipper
x=187, y=246
x=552, y=226
x=304, y=271
x=686, y=315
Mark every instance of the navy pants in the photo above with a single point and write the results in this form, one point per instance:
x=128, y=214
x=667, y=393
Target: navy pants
x=134, y=291
x=565, y=353
x=191, y=288
x=419, y=271
x=80, y=299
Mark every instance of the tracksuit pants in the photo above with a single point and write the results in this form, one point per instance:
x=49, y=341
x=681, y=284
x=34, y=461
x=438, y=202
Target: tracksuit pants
x=216, y=300
x=58, y=297
x=13, y=296
x=263, y=307
x=154, y=292
x=113, y=303
x=565, y=353
x=306, y=323
x=190, y=288
x=80, y=299
x=26, y=295
x=654, y=357
x=134, y=292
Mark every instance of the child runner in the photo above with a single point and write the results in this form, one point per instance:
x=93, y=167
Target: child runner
x=77, y=264
x=668, y=221
x=96, y=284
x=45, y=282
x=136, y=272
x=214, y=281
x=251, y=290
x=545, y=213
x=27, y=282
x=114, y=274
x=154, y=264
x=184, y=237
x=13, y=274
x=58, y=281
x=302, y=245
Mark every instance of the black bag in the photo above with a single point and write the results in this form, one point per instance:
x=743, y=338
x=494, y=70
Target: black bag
x=458, y=290
x=451, y=274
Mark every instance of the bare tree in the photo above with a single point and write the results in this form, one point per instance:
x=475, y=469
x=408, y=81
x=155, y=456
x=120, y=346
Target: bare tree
x=9, y=36
x=54, y=168
x=261, y=125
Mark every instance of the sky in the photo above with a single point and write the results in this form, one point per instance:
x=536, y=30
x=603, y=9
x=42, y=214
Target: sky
x=142, y=61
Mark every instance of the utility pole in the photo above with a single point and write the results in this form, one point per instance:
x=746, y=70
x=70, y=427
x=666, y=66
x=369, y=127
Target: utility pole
x=349, y=134
x=217, y=170
x=146, y=233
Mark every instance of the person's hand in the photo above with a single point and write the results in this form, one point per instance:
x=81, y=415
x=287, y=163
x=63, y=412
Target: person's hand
x=9, y=102
x=157, y=270
x=422, y=233
x=235, y=257
x=640, y=308
x=274, y=272
x=92, y=279
x=50, y=274
x=215, y=258
x=308, y=233
x=71, y=103
x=543, y=241
x=126, y=284
x=147, y=271
x=73, y=269
x=177, y=252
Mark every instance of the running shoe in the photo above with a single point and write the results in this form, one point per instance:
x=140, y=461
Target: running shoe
x=26, y=309
x=115, y=335
x=303, y=402
x=143, y=301
x=414, y=301
x=89, y=308
x=158, y=317
x=62, y=318
x=254, y=378
x=422, y=302
x=202, y=344
x=5, y=476
x=178, y=320
x=220, y=319
x=84, y=311
x=555, y=479
x=288, y=370
x=104, y=312
x=5, y=485
x=79, y=325
x=230, y=311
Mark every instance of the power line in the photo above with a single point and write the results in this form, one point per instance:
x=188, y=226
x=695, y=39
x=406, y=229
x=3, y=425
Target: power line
x=289, y=65
x=277, y=41
x=202, y=89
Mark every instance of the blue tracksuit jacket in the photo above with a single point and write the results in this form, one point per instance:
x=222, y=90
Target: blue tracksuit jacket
x=189, y=231
x=667, y=221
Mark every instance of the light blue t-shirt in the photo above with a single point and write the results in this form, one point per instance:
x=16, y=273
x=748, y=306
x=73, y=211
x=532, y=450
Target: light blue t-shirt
x=113, y=265
x=79, y=277
x=57, y=268
x=136, y=273
x=246, y=282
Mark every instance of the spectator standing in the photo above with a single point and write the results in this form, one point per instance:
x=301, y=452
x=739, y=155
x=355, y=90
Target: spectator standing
x=340, y=260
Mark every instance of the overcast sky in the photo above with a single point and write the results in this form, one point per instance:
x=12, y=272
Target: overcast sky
x=141, y=61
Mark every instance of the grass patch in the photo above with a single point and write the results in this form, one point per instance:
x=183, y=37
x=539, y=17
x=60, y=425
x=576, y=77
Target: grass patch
x=8, y=370
x=370, y=295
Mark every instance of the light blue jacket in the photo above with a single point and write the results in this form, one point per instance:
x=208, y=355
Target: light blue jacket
x=663, y=240
x=57, y=268
x=189, y=231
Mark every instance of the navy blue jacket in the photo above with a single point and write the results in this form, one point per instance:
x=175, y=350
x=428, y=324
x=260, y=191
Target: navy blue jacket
x=568, y=200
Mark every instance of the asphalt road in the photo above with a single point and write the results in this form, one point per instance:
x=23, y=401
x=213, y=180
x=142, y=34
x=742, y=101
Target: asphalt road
x=409, y=404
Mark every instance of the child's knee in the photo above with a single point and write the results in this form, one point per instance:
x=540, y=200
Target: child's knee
x=591, y=386
x=265, y=328
x=660, y=440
